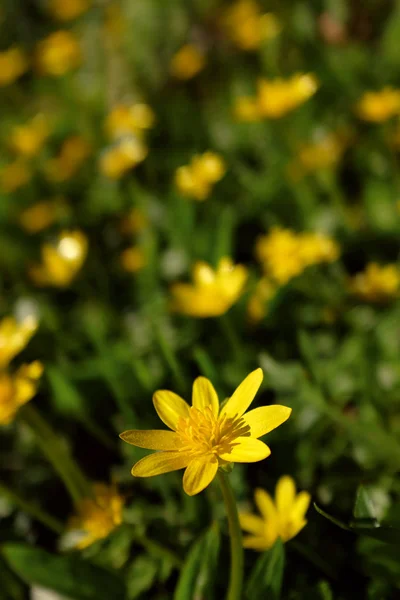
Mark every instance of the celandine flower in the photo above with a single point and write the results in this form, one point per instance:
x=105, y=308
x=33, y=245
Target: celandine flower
x=277, y=97
x=28, y=139
x=13, y=64
x=14, y=337
x=41, y=215
x=17, y=389
x=205, y=436
x=73, y=153
x=15, y=175
x=247, y=27
x=129, y=119
x=61, y=262
x=68, y=10
x=380, y=106
x=98, y=516
x=212, y=292
x=123, y=156
x=58, y=54
x=377, y=283
x=283, y=518
x=187, y=62
x=196, y=179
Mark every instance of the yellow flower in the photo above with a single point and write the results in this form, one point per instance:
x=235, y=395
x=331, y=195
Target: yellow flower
x=14, y=337
x=378, y=107
x=284, y=518
x=246, y=109
x=212, y=292
x=132, y=259
x=277, y=97
x=15, y=175
x=247, y=27
x=322, y=154
x=98, y=516
x=73, y=153
x=316, y=248
x=377, y=283
x=205, y=436
x=39, y=216
x=28, y=139
x=258, y=303
x=17, y=389
x=61, y=262
x=58, y=54
x=123, y=156
x=13, y=64
x=187, y=62
x=196, y=179
x=129, y=119
x=67, y=10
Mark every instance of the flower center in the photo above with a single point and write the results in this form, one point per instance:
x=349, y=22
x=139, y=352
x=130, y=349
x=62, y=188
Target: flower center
x=202, y=433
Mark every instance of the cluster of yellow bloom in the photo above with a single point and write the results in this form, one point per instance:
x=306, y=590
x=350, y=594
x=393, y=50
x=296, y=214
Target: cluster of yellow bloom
x=247, y=27
x=67, y=11
x=96, y=517
x=17, y=387
x=74, y=151
x=197, y=179
x=58, y=54
x=125, y=126
x=187, y=62
x=61, y=261
x=276, y=97
x=377, y=283
x=284, y=254
x=41, y=215
x=284, y=518
x=324, y=153
x=13, y=64
x=380, y=106
x=212, y=292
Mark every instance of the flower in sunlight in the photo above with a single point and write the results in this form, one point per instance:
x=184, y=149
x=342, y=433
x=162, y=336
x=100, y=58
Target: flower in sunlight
x=277, y=97
x=380, y=106
x=28, y=139
x=257, y=306
x=187, y=62
x=17, y=389
x=129, y=119
x=206, y=436
x=13, y=64
x=15, y=175
x=377, y=283
x=14, y=336
x=97, y=516
x=247, y=27
x=58, y=54
x=74, y=151
x=68, y=10
x=284, y=518
x=62, y=261
x=213, y=292
x=196, y=179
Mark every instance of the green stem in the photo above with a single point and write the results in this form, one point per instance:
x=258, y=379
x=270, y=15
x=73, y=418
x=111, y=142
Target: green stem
x=235, y=533
x=232, y=338
x=32, y=509
x=49, y=442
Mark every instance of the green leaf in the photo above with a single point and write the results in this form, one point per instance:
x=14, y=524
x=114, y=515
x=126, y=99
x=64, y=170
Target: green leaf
x=363, y=506
x=266, y=578
x=140, y=576
x=333, y=520
x=198, y=573
x=68, y=575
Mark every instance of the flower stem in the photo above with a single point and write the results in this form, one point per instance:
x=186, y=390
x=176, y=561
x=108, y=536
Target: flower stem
x=235, y=533
x=49, y=442
x=32, y=509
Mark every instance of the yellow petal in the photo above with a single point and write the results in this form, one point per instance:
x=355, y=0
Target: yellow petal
x=205, y=395
x=247, y=450
x=170, y=408
x=293, y=530
x=152, y=440
x=199, y=474
x=160, y=462
x=243, y=396
x=265, y=505
x=254, y=542
x=264, y=419
x=285, y=494
x=251, y=523
x=300, y=506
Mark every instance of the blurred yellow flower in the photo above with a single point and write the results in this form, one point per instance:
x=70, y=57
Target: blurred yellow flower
x=247, y=27
x=258, y=303
x=205, y=436
x=132, y=259
x=67, y=10
x=187, y=62
x=13, y=64
x=127, y=119
x=196, y=179
x=212, y=292
x=14, y=336
x=96, y=517
x=58, y=54
x=322, y=154
x=62, y=261
x=380, y=106
x=15, y=175
x=73, y=153
x=284, y=254
x=377, y=283
x=123, y=156
x=284, y=518
x=246, y=109
x=17, y=389
x=277, y=97
x=29, y=139
x=40, y=216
